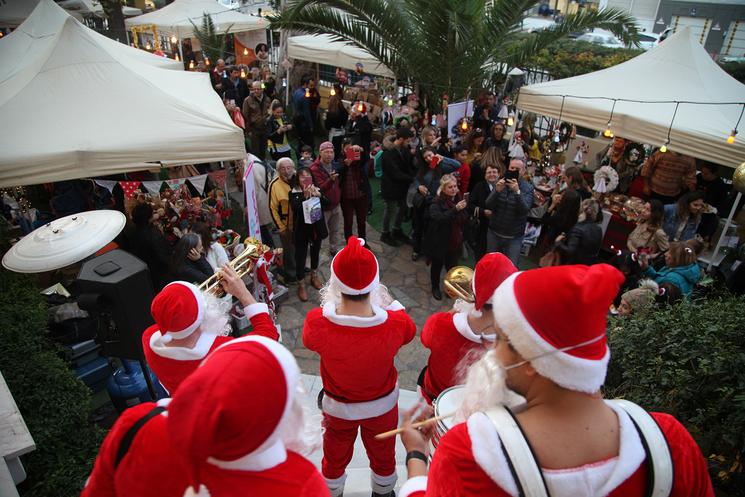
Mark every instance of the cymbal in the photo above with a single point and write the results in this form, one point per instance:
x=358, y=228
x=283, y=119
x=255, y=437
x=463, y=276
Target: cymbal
x=64, y=241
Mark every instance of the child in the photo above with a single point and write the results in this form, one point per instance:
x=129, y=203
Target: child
x=639, y=299
x=680, y=268
x=306, y=156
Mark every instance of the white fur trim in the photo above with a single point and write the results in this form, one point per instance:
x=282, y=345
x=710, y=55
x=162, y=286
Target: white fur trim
x=379, y=317
x=413, y=485
x=199, y=351
x=203, y=492
x=252, y=310
x=336, y=485
x=574, y=373
x=292, y=376
x=460, y=321
x=382, y=484
x=272, y=456
x=181, y=334
x=487, y=452
x=354, y=291
x=360, y=410
x=395, y=306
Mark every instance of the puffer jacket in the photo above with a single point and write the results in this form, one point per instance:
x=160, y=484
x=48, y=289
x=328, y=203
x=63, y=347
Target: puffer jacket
x=684, y=277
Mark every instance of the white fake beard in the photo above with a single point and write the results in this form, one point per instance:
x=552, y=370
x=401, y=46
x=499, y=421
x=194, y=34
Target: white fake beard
x=216, y=316
x=301, y=430
x=485, y=386
x=332, y=293
x=468, y=308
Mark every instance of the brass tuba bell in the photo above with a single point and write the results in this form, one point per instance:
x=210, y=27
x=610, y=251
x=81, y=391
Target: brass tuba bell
x=458, y=283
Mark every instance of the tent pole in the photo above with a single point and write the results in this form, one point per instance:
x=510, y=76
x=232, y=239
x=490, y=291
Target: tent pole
x=724, y=231
x=287, y=88
x=227, y=171
x=180, y=42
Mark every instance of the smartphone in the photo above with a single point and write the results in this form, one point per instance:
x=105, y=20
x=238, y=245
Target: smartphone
x=465, y=196
x=433, y=163
x=434, y=120
x=306, y=181
x=510, y=174
x=351, y=154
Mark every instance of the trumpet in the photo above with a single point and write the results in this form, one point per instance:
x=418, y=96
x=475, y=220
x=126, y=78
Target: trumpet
x=243, y=264
x=458, y=283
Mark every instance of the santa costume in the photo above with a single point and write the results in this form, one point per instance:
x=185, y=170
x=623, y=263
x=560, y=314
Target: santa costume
x=556, y=318
x=237, y=424
x=137, y=472
x=179, y=311
x=360, y=388
x=448, y=335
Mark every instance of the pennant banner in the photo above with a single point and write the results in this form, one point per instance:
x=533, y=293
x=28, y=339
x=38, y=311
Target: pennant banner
x=130, y=188
x=199, y=182
x=108, y=184
x=175, y=184
x=153, y=186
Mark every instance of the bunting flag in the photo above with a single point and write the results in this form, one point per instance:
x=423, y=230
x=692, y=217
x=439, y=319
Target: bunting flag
x=219, y=177
x=199, y=182
x=175, y=184
x=108, y=184
x=153, y=186
x=130, y=188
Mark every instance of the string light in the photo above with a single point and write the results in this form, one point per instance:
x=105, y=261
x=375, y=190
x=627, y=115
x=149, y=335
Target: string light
x=307, y=93
x=663, y=148
x=174, y=39
x=148, y=46
x=511, y=120
x=608, y=133
x=731, y=137
x=178, y=59
x=464, y=126
x=191, y=64
x=390, y=102
x=243, y=74
x=360, y=107
x=245, y=51
x=263, y=85
x=206, y=61
x=332, y=92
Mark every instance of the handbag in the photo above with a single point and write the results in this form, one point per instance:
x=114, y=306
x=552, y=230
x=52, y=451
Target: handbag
x=550, y=258
x=312, y=210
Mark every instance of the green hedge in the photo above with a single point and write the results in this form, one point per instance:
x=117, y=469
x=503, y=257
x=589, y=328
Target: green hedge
x=689, y=361
x=54, y=403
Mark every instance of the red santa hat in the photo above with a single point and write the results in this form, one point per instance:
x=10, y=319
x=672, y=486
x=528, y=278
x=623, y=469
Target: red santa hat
x=230, y=412
x=555, y=318
x=355, y=269
x=490, y=272
x=178, y=310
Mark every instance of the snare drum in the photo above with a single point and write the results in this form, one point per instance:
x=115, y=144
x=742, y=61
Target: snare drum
x=446, y=403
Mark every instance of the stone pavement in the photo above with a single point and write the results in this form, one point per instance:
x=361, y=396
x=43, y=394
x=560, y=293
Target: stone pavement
x=407, y=281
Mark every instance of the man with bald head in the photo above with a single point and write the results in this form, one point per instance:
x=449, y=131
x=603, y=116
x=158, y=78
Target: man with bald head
x=255, y=110
x=217, y=75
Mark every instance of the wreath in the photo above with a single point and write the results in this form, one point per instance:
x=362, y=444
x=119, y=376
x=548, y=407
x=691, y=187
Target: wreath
x=606, y=180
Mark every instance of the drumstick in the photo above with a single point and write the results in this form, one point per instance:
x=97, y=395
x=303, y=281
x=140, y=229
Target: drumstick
x=391, y=433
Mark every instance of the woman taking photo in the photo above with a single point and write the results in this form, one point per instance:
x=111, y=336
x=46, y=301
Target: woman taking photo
x=443, y=241
x=648, y=235
x=681, y=220
x=188, y=263
x=336, y=120
x=214, y=252
x=306, y=234
x=277, y=127
x=582, y=244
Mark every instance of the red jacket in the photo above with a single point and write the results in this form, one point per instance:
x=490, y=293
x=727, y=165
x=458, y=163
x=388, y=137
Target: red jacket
x=357, y=353
x=469, y=462
x=449, y=339
x=173, y=364
x=330, y=188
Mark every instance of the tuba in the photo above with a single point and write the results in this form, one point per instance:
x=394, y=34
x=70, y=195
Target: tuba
x=243, y=264
x=458, y=283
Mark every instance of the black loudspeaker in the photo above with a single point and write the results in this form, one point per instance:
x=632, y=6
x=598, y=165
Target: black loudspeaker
x=116, y=288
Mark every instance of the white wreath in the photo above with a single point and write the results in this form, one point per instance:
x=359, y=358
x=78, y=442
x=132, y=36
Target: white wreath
x=606, y=180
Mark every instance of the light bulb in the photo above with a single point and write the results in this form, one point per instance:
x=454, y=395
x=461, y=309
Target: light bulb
x=148, y=46
x=307, y=93
x=390, y=102
x=284, y=82
x=332, y=92
x=360, y=107
x=557, y=138
x=510, y=121
x=245, y=51
x=663, y=148
x=206, y=61
x=263, y=86
x=731, y=137
x=608, y=133
x=191, y=64
x=174, y=39
x=464, y=126
x=243, y=74
x=177, y=58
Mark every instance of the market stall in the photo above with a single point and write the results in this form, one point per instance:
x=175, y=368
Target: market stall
x=78, y=105
x=323, y=49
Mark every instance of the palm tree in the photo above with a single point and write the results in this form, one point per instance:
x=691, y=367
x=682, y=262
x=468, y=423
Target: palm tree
x=213, y=43
x=444, y=46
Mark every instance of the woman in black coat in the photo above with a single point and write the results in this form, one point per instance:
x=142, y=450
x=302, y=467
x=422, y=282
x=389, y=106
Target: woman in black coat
x=582, y=244
x=304, y=234
x=336, y=121
x=477, y=207
x=188, y=263
x=443, y=240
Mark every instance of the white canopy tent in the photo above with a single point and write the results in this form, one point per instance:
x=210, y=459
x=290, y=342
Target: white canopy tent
x=176, y=18
x=678, y=70
x=14, y=12
x=76, y=104
x=323, y=49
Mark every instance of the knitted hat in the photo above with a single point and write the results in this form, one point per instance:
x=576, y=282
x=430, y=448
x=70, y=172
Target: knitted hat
x=178, y=310
x=555, y=318
x=355, y=269
x=490, y=272
x=230, y=411
x=642, y=297
x=326, y=146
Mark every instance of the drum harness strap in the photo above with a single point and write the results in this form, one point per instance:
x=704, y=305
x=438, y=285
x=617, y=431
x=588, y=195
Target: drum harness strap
x=126, y=442
x=529, y=478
